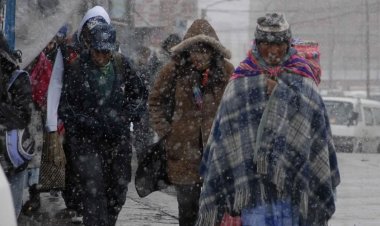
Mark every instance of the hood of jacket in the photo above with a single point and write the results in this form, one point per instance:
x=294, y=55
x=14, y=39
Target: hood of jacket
x=201, y=31
x=93, y=12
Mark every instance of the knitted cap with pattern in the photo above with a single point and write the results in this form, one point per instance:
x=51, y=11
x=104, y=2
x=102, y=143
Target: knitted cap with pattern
x=273, y=27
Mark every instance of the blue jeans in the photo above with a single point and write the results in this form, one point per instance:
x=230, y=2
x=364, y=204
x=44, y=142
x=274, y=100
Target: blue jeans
x=32, y=176
x=276, y=213
x=16, y=182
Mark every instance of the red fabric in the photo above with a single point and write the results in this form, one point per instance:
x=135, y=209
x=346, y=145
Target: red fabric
x=205, y=77
x=72, y=56
x=310, y=51
x=40, y=78
x=229, y=220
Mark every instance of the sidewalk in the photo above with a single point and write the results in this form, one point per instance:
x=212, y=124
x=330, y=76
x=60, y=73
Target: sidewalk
x=358, y=201
x=157, y=209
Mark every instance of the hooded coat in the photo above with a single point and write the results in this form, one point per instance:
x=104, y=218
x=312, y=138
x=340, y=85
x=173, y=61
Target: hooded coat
x=55, y=84
x=173, y=111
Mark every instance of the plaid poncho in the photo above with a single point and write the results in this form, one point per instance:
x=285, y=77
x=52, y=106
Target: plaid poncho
x=263, y=147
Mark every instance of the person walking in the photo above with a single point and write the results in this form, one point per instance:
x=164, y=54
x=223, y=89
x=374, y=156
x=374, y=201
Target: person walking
x=15, y=114
x=100, y=98
x=146, y=65
x=182, y=105
x=270, y=157
x=67, y=52
x=166, y=45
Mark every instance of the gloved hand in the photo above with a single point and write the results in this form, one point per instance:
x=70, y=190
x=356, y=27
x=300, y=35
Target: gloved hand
x=55, y=153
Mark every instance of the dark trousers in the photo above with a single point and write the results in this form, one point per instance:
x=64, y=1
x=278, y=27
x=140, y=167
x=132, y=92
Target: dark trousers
x=187, y=197
x=104, y=174
x=143, y=136
x=72, y=192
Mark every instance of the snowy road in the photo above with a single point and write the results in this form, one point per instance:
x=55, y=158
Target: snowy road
x=358, y=200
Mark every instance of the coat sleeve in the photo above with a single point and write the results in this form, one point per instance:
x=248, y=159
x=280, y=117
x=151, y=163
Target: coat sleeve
x=161, y=100
x=134, y=92
x=16, y=112
x=54, y=93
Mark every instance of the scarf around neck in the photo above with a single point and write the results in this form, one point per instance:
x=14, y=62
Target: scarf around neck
x=253, y=65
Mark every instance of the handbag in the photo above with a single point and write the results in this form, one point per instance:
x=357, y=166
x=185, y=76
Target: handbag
x=53, y=160
x=151, y=174
x=229, y=220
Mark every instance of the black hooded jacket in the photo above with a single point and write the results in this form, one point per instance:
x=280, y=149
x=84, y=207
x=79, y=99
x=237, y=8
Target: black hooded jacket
x=89, y=115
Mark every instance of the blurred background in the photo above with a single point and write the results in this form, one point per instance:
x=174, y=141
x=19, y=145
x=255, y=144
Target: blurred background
x=347, y=30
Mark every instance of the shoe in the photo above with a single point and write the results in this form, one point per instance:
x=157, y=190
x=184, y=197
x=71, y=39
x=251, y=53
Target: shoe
x=77, y=219
x=33, y=204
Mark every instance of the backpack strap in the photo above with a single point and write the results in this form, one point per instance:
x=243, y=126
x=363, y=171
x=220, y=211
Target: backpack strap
x=14, y=76
x=118, y=64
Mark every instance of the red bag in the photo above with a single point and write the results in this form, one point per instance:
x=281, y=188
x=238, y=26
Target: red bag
x=229, y=220
x=310, y=51
x=40, y=78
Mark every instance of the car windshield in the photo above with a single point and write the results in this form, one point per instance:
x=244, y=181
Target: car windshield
x=339, y=112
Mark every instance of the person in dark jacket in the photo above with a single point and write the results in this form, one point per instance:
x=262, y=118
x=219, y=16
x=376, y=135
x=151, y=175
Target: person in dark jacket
x=100, y=98
x=15, y=113
x=166, y=45
x=67, y=52
x=146, y=65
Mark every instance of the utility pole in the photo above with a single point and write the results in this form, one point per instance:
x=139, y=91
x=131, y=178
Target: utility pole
x=10, y=22
x=204, y=10
x=368, y=68
x=130, y=29
x=331, y=51
x=203, y=13
x=252, y=20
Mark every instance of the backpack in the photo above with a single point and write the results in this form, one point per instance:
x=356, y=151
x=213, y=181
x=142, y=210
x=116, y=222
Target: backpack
x=309, y=50
x=40, y=77
x=23, y=144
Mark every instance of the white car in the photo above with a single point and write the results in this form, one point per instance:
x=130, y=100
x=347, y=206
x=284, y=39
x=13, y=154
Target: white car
x=7, y=211
x=355, y=123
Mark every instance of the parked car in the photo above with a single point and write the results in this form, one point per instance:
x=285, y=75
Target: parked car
x=355, y=123
x=7, y=211
x=374, y=95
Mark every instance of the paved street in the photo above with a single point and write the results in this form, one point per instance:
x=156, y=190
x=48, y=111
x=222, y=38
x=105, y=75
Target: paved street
x=157, y=209
x=358, y=200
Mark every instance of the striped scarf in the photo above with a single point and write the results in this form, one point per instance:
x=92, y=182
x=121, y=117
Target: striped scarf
x=293, y=64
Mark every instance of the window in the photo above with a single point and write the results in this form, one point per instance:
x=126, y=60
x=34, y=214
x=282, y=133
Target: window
x=376, y=112
x=340, y=113
x=368, y=117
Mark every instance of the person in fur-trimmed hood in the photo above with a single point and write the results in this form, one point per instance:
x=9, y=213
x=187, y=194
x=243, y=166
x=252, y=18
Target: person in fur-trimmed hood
x=182, y=106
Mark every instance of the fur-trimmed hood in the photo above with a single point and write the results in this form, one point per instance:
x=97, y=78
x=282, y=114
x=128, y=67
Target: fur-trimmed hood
x=201, y=32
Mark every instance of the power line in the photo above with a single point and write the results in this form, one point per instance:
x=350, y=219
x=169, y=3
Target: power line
x=371, y=6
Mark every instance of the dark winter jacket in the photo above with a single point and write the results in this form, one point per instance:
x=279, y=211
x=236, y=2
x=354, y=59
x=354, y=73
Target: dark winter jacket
x=15, y=103
x=88, y=112
x=172, y=108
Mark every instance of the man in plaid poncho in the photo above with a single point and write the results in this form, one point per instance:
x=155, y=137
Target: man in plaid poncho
x=270, y=157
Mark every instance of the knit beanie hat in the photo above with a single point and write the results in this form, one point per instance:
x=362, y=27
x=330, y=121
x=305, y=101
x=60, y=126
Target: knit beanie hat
x=273, y=27
x=170, y=41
